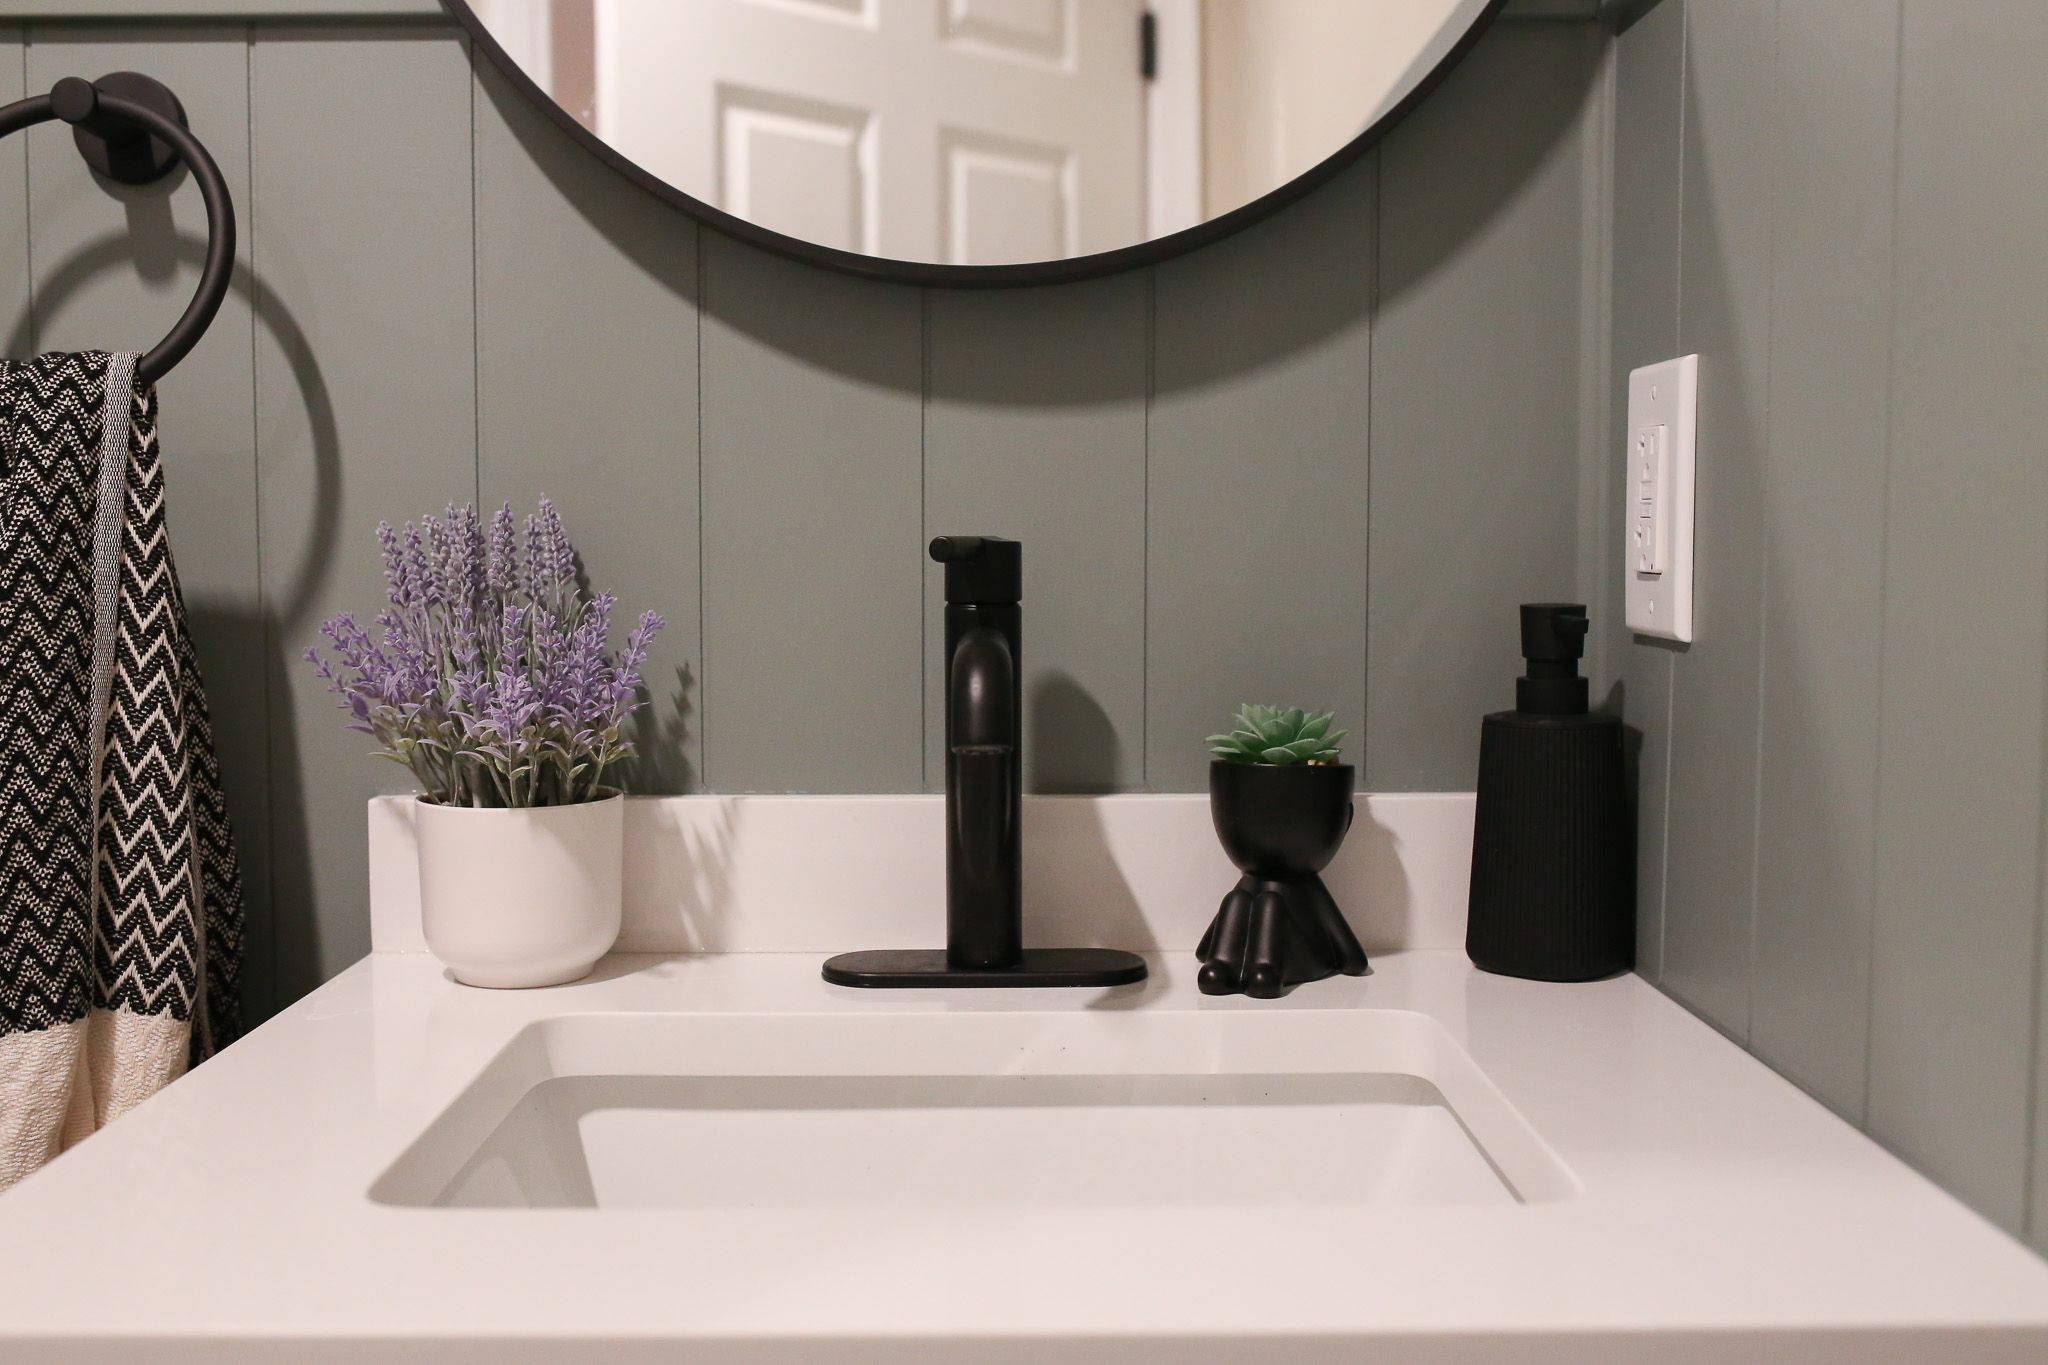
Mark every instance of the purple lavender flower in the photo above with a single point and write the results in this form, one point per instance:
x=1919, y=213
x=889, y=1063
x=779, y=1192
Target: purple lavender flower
x=491, y=679
x=395, y=575
x=409, y=589
x=550, y=562
x=501, y=566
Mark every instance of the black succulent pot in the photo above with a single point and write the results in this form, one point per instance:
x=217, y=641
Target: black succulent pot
x=1278, y=927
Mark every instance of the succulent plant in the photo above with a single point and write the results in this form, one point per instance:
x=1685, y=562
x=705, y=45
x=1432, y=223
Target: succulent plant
x=1271, y=734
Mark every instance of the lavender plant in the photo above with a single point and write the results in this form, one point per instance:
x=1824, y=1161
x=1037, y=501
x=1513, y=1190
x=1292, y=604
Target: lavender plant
x=491, y=676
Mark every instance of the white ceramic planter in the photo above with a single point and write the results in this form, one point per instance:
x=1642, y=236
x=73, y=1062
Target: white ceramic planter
x=521, y=897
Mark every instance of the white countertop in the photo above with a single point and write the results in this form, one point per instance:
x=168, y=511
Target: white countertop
x=1723, y=1215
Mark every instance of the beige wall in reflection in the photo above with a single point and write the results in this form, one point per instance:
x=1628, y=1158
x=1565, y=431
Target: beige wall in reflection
x=1286, y=82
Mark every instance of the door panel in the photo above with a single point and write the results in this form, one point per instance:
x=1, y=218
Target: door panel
x=964, y=131
x=1006, y=201
x=1023, y=28
x=798, y=166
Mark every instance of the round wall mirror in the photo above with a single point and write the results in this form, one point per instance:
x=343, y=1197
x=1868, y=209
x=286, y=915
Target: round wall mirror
x=976, y=142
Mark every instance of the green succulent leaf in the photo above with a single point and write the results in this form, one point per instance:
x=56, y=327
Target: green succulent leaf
x=1278, y=735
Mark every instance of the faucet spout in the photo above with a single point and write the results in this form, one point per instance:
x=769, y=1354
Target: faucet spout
x=983, y=712
x=985, y=913
x=984, y=800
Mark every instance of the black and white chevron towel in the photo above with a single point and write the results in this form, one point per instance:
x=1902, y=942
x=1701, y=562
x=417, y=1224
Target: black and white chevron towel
x=120, y=897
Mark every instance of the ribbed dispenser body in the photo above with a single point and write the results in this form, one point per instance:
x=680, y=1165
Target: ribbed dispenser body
x=1551, y=894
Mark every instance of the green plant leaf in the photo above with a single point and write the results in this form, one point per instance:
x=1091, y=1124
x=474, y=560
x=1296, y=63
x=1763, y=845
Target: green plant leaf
x=1280, y=735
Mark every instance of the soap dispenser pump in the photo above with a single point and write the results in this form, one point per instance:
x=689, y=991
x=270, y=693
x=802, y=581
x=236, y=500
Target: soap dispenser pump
x=1552, y=896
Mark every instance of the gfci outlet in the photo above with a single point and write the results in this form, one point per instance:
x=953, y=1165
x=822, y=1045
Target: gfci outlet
x=1663, y=404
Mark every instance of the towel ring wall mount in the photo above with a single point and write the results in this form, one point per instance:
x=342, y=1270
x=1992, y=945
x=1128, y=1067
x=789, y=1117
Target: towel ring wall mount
x=132, y=130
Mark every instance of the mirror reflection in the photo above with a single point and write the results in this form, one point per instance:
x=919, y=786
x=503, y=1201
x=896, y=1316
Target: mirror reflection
x=976, y=132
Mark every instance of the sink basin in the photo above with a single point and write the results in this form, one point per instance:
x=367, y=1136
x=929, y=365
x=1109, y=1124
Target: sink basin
x=1023, y=1111
x=722, y=1159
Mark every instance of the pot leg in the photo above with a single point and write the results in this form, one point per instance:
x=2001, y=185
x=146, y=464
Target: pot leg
x=1223, y=947
x=1265, y=975
x=1347, y=955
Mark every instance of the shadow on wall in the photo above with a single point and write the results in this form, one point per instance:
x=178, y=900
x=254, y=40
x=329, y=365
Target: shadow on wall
x=661, y=765
x=154, y=249
x=1711, y=875
x=277, y=870
x=1483, y=115
x=1464, y=204
x=1087, y=759
x=1391, y=918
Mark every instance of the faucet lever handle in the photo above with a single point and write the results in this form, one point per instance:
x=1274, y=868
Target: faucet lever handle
x=981, y=569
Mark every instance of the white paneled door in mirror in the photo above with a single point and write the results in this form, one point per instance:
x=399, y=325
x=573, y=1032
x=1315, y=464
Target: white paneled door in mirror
x=971, y=134
x=964, y=131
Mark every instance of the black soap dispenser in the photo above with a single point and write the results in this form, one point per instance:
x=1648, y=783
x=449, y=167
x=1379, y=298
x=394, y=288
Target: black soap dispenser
x=1552, y=889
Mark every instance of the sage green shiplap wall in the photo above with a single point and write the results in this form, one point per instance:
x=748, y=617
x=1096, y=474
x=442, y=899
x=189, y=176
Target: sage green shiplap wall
x=1320, y=461
x=1838, y=205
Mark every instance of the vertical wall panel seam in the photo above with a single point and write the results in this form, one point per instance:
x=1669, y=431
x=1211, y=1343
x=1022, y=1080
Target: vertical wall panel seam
x=268, y=703
x=1596, y=348
x=1664, y=822
x=28, y=219
x=919, y=662
x=924, y=532
x=1763, y=584
x=476, y=339
x=1375, y=273
x=1678, y=234
x=2030, y=1161
x=271, y=632
x=1151, y=344
x=1678, y=348
x=1884, y=529
x=2031, y=1115
x=703, y=623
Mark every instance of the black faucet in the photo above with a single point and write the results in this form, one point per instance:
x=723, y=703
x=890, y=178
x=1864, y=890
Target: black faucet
x=984, y=801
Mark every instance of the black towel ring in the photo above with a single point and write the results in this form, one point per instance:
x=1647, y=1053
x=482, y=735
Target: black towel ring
x=131, y=129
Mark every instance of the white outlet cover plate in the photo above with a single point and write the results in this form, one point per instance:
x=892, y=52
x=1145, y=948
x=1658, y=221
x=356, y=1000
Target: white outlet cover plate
x=1666, y=395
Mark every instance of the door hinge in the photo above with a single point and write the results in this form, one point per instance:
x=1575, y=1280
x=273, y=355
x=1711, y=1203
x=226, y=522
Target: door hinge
x=1148, y=45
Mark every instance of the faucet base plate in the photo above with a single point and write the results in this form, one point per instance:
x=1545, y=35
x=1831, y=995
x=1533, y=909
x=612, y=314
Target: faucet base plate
x=1040, y=967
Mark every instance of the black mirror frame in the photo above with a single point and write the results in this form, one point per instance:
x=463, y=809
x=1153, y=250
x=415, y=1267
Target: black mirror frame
x=1150, y=252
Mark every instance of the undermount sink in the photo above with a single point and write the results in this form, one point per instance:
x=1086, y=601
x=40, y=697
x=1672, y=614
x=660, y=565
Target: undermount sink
x=722, y=1158
x=1024, y=1111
